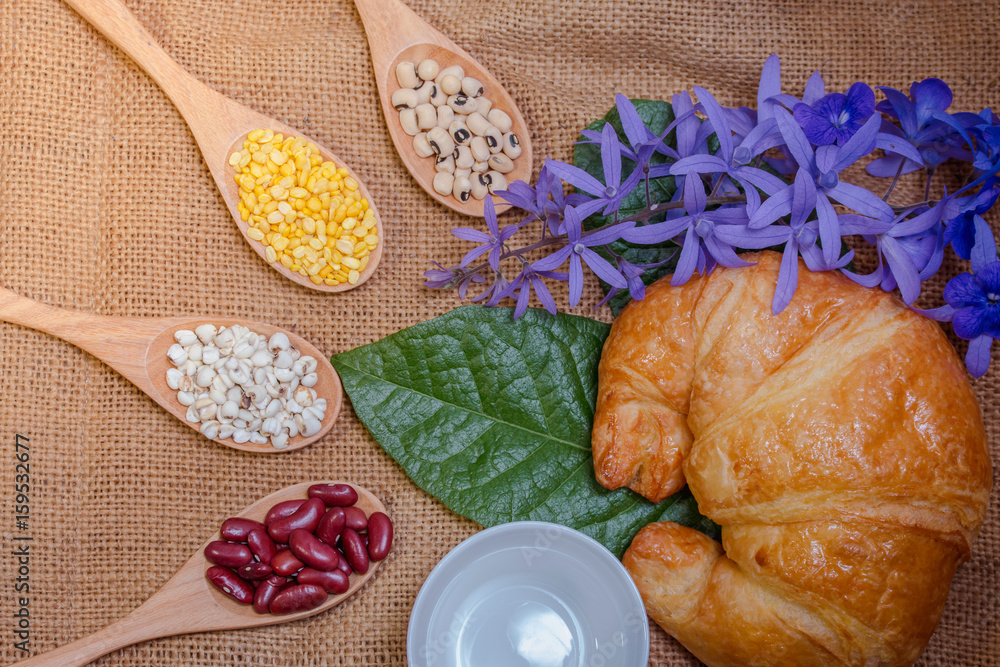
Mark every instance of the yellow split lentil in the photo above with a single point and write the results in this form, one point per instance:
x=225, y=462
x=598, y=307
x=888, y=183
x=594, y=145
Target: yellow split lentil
x=308, y=213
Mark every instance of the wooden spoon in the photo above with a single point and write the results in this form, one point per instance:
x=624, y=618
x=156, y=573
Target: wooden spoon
x=396, y=34
x=189, y=603
x=218, y=124
x=137, y=348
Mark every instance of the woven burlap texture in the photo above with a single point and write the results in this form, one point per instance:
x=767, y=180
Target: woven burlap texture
x=108, y=207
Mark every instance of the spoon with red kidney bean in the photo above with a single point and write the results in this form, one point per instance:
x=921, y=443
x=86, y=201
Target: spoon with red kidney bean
x=194, y=600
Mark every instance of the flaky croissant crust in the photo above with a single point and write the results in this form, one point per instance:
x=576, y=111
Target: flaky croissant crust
x=838, y=444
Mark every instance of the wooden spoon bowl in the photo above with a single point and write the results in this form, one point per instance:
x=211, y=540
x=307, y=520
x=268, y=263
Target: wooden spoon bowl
x=219, y=124
x=188, y=602
x=137, y=348
x=231, y=194
x=396, y=34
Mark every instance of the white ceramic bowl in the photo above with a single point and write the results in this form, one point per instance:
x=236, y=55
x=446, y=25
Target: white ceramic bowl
x=528, y=594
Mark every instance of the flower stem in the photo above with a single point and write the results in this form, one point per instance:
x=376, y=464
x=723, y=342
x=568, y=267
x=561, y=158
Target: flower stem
x=895, y=179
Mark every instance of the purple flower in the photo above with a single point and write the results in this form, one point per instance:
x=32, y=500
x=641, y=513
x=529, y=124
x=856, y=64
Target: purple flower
x=973, y=301
x=733, y=161
x=442, y=278
x=824, y=166
x=495, y=292
x=799, y=238
x=608, y=194
x=529, y=278
x=920, y=125
x=633, y=276
x=642, y=143
x=836, y=117
x=708, y=236
x=960, y=230
x=579, y=251
x=910, y=249
x=493, y=242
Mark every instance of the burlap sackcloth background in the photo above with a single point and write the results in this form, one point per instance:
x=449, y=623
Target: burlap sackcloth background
x=107, y=206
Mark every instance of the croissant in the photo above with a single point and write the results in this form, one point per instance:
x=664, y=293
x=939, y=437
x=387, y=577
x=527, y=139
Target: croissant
x=838, y=445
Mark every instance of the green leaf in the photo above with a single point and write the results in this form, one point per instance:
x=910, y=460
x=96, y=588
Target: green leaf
x=492, y=416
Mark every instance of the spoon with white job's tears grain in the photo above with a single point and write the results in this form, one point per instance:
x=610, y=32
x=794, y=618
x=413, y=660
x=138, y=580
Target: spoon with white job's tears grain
x=137, y=348
x=395, y=35
x=188, y=603
x=219, y=125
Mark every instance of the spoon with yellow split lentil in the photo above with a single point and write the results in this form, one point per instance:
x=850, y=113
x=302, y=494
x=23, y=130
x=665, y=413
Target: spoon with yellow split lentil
x=246, y=385
x=297, y=204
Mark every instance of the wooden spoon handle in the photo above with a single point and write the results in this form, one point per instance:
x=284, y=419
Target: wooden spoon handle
x=200, y=106
x=120, y=342
x=120, y=26
x=125, y=632
x=392, y=26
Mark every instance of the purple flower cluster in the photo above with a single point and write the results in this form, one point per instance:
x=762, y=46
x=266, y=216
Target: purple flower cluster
x=742, y=179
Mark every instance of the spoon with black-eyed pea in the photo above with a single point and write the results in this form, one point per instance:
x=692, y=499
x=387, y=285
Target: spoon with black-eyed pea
x=205, y=371
x=270, y=187
x=455, y=127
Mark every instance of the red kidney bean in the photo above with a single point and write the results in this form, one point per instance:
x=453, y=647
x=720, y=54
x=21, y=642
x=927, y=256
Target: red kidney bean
x=379, y=535
x=331, y=524
x=281, y=510
x=237, y=528
x=343, y=565
x=302, y=597
x=356, y=518
x=285, y=563
x=306, y=517
x=333, y=581
x=254, y=571
x=266, y=592
x=261, y=544
x=354, y=550
x=334, y=495
x=226, y=581
x=228, y=554
x=308, y=549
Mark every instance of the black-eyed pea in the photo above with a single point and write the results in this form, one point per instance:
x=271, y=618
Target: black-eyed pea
x=460, y=133
x=445, y=163
x=404, y=98
x=463, y=173
x=443, y=183
x=477, y=123
x=462, y=189
x=421, y=146
x=501, y=163
x=483, y=105
x=478, y=189
x=424, y=92
x=500, y=120
x=451, y=85
x=480, y=149
x=494, y=139
x=440, y=141
x=406, y=75
x=408, y=121
x=446, y=116
x=480, y=167
x=472, y=87
x=511, y=146
x=464, y=159
x=462, y=103
x=438, y=96
x=428, y=69
x=426, y=116
x=497, y=181
x=454, y=70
